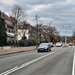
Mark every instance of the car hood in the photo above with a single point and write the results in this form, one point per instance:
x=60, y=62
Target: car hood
x=42, y=46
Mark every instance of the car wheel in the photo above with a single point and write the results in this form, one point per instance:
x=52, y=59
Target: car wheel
x=38, y=51
x=50, y=49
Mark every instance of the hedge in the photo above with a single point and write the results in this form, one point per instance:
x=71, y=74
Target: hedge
x=31, y=42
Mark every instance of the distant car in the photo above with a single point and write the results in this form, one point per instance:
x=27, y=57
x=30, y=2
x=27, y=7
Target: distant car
x=70, y=44
x=58, y=44
x=44, y=47
x=51, y=43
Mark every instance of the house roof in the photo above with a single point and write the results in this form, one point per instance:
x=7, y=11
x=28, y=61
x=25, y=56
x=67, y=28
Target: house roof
x=25, y=26
x=5, y=16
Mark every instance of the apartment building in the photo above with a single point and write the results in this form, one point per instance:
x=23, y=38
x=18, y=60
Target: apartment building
x=28, y=30
x=9, y=26
x=23, y=30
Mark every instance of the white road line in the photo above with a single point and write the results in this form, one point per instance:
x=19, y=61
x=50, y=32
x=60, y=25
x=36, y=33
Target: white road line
x=73, y=69
x=4, y=73
x=32, y=61
x=25, y=64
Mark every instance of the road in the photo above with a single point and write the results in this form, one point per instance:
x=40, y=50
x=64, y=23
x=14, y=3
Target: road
x=57, y=62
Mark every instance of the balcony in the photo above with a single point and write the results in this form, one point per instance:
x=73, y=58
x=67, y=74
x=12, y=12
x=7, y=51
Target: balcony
x=10, y=34
x=8, y=22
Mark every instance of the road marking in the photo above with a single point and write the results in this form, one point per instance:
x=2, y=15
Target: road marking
x=73, y=65
x=5, y=73
x=24, y=65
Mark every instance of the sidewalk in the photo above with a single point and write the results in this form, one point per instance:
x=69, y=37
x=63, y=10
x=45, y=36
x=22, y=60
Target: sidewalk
x=8, y=50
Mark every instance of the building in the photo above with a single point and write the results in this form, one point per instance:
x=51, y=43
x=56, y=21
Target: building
x=23, y=30
x=27, y=30
x=15, y=32
x=9, y=26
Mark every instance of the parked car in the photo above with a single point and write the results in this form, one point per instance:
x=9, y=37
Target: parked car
x=44, y=47
x=58, y=44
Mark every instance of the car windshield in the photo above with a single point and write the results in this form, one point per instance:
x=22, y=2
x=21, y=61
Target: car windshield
x=44, y=44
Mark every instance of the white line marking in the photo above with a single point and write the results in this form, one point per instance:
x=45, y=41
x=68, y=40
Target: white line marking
x=73, y=65
x=24, y=65
x=4, y=73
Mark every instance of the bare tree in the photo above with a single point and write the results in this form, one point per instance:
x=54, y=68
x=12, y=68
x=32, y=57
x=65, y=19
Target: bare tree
x=19, y=15
x=40, y=32
x=49, y=30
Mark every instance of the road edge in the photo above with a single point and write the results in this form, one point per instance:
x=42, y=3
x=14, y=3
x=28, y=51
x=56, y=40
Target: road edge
x=17, y=52
x=73, y=68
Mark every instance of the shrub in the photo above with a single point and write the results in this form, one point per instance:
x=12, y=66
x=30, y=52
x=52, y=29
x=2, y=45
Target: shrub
x=31, y=42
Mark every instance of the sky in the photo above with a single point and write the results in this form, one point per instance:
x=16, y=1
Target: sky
x=60, y=12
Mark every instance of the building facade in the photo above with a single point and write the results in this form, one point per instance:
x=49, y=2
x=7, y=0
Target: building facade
x=27, y=30
x=23, y=30
x=9, y=26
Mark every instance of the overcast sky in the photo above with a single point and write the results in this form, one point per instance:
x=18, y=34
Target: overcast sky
x=60, y=12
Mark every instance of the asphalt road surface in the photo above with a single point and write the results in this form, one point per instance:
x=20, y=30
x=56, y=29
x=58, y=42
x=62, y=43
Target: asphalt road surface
x=60, y=61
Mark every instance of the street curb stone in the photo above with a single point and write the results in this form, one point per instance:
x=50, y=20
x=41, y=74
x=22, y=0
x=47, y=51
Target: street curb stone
x=17, y=50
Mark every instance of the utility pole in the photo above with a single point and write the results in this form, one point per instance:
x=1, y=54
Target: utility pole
x=37, y=19
x=50, y=33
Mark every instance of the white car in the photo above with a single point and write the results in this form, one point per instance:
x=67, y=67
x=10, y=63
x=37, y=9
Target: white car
x=58, y=44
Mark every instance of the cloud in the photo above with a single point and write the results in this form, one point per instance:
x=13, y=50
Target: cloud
x=37, y=9
x=6, y=5
x=61, y=12
x=8, y=2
